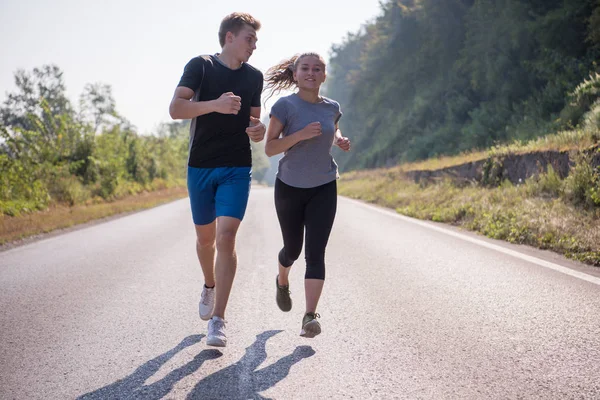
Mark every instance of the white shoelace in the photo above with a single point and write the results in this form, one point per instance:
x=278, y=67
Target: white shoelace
x=216, y=327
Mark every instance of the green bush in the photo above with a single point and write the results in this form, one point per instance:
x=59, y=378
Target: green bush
x=51, y=153
x=582, y=184
x=21, y=190
x=66, y=188
x=549, y=184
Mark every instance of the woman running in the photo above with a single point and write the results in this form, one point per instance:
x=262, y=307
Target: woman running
x=304, y=126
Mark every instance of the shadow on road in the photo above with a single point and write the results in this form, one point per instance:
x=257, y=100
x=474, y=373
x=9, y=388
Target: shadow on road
x=238, y=381
x=241, y=381
x=132, y=387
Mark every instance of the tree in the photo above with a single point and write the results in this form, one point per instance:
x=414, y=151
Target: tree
x=42, y=84
x=97, y=105
x=434, y=77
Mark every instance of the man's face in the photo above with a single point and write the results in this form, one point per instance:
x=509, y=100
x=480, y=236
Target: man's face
x=243, y=44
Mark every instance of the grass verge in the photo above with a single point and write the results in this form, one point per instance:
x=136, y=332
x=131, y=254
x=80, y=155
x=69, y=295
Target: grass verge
x=537, y=213
x=60, y=217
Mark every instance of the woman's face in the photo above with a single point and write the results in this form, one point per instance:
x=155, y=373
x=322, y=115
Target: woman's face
x=310, y=73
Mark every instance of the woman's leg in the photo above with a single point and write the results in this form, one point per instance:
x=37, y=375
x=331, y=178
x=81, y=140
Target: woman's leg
x=289, y=205
x=320, y=214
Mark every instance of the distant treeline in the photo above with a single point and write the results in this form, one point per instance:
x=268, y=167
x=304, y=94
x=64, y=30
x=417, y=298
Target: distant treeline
x=52, y=152
x=440, y=77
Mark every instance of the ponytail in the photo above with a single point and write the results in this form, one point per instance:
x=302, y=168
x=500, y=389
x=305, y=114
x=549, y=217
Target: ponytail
x=281, y=76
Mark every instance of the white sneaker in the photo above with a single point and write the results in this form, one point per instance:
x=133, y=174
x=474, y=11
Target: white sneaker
x=207, y=303
x=216, y=332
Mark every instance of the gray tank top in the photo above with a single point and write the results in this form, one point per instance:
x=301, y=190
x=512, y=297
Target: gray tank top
x=308, y=163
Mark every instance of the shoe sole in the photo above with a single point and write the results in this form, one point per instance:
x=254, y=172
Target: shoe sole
x=216, y=342
x=311, y=329
x=206, y=317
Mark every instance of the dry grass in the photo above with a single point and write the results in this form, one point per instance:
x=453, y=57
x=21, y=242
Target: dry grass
x=60, y=217
x=443, y=162
x=561, y=141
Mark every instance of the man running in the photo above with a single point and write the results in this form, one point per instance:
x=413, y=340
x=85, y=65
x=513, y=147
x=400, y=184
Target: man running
x=221, y=94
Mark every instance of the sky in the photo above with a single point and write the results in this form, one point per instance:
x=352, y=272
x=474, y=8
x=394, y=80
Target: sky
x=140, y=48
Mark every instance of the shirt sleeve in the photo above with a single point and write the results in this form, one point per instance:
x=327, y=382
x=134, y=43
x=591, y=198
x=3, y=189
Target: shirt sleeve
x=256, y=99
x=192, y=74
x=339, y=113
x=279, y=111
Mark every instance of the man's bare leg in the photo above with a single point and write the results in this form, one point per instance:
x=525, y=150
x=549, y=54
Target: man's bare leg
x=226, y=263
x=205, y=249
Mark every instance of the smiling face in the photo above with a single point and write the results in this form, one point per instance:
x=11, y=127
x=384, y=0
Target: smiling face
x=242, y=45
x=309, y=73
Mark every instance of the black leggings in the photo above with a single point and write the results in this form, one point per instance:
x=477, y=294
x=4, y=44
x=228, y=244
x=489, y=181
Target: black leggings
x=313, y=208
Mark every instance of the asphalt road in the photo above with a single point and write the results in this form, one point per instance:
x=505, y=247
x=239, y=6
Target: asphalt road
x=410, y=310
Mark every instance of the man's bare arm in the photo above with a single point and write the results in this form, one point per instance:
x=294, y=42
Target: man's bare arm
x=256, y=130
x=182, y=108
x=255, y=112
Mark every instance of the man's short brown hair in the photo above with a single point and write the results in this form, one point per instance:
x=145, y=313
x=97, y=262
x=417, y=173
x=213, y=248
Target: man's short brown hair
x=234, y=22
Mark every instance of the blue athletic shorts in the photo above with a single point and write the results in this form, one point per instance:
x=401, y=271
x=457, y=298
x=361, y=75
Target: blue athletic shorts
x=218, y=192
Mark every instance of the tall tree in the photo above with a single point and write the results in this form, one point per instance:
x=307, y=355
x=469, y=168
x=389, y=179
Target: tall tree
x=45, y=83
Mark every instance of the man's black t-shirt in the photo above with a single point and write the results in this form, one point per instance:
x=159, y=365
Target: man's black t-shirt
x=220, y=140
